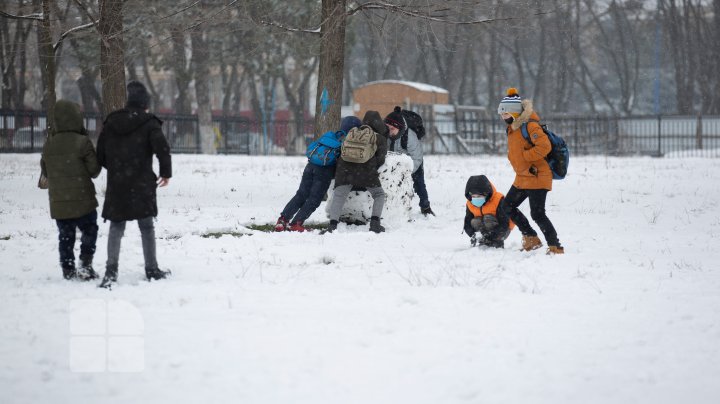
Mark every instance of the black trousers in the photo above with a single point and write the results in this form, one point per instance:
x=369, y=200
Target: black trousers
x=66, y=237
x=515, y=197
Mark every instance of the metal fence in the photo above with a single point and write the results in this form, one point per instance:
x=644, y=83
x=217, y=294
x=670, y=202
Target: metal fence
x=24, y=131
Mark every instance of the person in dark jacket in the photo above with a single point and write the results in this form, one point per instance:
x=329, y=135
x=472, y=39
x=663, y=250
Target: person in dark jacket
x=362, y=175
x=127, y=143
x=484, y=213
x=313, y=186
x=69, y=163
x=407, y=141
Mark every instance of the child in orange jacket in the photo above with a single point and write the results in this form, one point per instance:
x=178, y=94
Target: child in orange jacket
x=484, y=214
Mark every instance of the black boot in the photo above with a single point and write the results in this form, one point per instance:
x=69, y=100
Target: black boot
x=69, y=271
x=110, y=277
x=156, y=274
x=331, y=227
x=427, y=211
x=375, y=225
x=86, y=271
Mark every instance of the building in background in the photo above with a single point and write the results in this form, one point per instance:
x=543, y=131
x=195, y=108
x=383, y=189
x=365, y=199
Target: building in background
x=384, y=95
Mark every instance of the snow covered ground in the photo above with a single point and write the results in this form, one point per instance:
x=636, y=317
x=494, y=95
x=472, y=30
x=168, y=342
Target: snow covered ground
x=630, y=314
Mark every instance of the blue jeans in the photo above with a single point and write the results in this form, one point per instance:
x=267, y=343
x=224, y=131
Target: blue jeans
x=418, y=178
x=313, y=186
x=67, y=228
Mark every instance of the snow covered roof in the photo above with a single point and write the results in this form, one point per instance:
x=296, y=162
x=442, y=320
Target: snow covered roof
x=414, y=84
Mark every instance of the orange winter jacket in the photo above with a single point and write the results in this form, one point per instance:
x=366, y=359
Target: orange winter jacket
x=523, y=156
x=479, y=184
x=489, y=208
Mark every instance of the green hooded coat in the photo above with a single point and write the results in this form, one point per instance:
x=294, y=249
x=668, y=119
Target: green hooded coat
x=69, y=162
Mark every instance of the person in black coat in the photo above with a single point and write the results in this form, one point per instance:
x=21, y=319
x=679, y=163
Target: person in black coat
x=129, y=139
x=362, y=175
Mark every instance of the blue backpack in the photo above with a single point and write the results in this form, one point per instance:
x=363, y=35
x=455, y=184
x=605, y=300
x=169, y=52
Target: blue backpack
x=559, y=157
x=324, y=152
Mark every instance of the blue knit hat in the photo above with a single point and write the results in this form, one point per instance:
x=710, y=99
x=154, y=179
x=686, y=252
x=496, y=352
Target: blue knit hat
x=350, y=122
x=511, y=103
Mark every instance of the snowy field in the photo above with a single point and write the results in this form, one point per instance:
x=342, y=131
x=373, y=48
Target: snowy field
x=630, y=314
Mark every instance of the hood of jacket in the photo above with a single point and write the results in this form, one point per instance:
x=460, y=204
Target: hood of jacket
x=373, y=120
x=128, y=120
x=68, y=117
x=526, y=116
x=479, y=184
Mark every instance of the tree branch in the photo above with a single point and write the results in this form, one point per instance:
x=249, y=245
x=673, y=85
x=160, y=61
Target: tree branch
x=33, y=17
x=290, y=29
x=429, y=15
x=72, y=31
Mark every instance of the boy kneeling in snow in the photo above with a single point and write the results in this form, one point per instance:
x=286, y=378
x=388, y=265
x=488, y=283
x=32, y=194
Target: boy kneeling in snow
x=484, y=214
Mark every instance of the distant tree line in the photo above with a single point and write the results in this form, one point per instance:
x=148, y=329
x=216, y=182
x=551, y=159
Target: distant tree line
x=571, y=56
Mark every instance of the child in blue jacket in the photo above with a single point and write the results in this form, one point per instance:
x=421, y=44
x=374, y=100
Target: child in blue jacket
x=315, y=182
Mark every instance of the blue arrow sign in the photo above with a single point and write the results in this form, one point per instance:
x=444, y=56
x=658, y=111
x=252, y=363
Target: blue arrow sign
x=325, y=101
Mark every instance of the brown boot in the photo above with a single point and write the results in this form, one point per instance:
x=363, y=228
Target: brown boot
x=555, y=249
x=530, y=243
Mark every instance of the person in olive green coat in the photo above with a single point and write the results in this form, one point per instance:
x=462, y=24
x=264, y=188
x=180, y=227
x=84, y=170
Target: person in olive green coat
x=69, y=162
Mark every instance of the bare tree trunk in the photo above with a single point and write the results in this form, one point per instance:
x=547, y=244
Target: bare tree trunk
x=112, y=68
x=332, y=59
x=19, y=81
x=183, y=73
x=200, y=60
x=150, y=84
x=370, y=45
x=229, y=84
x=47, y=63
x=681, y=57
x=714, y=107
x=91, y=99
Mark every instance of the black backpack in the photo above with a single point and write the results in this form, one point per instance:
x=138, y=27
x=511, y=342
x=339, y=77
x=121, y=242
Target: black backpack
x=414, y=122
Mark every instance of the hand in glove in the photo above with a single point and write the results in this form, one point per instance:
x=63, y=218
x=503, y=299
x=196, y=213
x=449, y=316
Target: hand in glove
x=533, y=170
x=473, y=240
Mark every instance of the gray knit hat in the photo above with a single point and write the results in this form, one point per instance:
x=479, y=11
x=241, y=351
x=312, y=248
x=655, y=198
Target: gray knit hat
x=511, y=103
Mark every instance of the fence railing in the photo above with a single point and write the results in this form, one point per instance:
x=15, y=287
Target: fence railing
x=24, y=131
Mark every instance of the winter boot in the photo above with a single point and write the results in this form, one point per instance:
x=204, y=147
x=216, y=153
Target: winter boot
x=281, y=224
x=110, y=277
x=331, y=227
x=427, y=211
x=530, y=243
x=555, y=250
x=86, y=271
x=375, y=225
x=69, y=271
x=297, y=226
x=156, y=274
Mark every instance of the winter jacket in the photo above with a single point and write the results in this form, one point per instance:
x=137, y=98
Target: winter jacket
x=126, y=145
x=69, y=162
x=408, y=143
x=528, y=161
x=365, y=175
x=479, y=184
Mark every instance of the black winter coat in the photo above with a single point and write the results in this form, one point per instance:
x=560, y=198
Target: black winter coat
x=365, y=175
x=125, y=148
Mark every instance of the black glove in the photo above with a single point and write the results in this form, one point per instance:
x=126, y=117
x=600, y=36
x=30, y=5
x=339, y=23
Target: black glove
x=473, y=240
x=533, y=170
